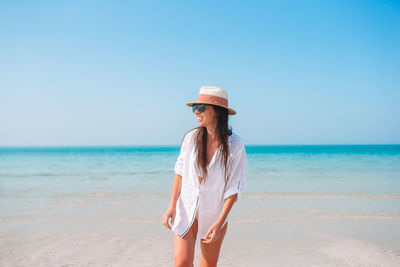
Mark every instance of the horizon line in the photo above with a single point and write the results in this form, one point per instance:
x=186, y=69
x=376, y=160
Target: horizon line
x=178, y=145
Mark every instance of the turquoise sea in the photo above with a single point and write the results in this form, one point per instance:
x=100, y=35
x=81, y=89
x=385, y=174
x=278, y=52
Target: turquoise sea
x=148, y=171
x=299, y=195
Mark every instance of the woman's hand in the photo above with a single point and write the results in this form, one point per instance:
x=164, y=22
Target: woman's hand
x=170, y=213
x=214, y=231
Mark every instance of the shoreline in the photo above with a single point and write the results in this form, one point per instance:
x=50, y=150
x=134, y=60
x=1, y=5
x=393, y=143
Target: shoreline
x=262, y=232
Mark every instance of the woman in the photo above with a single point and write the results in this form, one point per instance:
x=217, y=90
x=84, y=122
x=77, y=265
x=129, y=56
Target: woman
x=210, y=171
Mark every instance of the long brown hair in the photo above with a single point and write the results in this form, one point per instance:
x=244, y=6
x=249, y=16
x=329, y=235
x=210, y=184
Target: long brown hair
x=223, y=132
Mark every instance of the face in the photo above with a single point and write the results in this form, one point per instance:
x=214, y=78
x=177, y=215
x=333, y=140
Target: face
x=207, y=117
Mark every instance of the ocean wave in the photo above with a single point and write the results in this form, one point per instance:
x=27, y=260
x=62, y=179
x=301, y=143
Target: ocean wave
x=110, y=195
x=293, y=195
x=250, y=196
x=316, y=217
x=45, y=174
x=86, y=174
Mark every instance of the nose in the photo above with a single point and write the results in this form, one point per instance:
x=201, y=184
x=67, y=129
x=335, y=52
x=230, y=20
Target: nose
x=197, y=112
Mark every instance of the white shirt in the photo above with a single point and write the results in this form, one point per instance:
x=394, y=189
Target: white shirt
x=207, y=198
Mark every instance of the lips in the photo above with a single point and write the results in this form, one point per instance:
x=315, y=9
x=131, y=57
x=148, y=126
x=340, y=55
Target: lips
x=199, y=118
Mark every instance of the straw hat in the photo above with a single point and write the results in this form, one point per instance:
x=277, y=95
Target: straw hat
x=214, y=96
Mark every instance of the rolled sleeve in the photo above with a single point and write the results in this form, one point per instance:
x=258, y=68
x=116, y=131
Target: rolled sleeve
x=180, y=162
x=238, y=174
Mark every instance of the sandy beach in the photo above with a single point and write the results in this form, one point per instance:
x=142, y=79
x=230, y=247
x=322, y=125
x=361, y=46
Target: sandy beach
x=297, y=109
x=275, y=230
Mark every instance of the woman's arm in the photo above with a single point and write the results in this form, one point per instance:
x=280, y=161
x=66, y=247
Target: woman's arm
x=215, y=229
x=226, y=209
x=176, y=191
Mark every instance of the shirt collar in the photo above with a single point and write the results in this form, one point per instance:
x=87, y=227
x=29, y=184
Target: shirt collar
x=230, y=139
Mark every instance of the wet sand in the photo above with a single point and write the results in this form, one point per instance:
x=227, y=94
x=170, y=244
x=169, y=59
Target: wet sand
x=271, y=231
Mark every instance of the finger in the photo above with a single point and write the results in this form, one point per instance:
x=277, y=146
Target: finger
x=208, y=234
x=172, y=219
x=209, y=240
x=206, y=241
x=165, y=221
x=212, y=239
x=168, y=226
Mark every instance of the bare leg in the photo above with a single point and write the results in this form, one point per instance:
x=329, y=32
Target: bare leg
x=210, y=252
x=184, y=247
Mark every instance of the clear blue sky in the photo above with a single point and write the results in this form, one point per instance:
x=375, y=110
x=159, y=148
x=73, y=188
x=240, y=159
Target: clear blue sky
x=118, y=73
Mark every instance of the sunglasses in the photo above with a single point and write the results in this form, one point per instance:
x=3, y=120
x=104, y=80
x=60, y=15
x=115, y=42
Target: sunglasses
x=200, y=107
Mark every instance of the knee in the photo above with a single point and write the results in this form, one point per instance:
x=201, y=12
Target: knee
x=183, y=261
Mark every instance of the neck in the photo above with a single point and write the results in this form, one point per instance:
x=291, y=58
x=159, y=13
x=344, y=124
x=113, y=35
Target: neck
x=212, y=134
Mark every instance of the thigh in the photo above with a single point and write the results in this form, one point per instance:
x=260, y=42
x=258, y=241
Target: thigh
x=210, y=252
x=184, y=247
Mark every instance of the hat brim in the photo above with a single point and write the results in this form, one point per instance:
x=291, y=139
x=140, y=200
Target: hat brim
x=230, y=111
